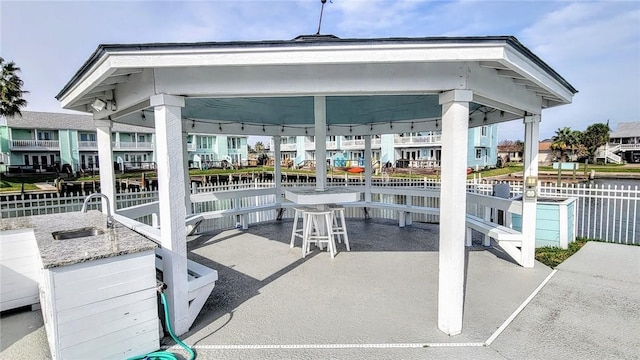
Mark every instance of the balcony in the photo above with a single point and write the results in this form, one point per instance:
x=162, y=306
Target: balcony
x=628, y=147
x=34, y=145
x=288, y=147
x=132, y=145
x=429, y=140
x=88, y=145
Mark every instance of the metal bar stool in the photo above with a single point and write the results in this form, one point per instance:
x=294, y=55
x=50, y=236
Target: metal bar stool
x=339, y=224
x=318, y=229
x=298, y=232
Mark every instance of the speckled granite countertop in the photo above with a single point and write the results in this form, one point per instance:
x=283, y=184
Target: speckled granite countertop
x=117, y=241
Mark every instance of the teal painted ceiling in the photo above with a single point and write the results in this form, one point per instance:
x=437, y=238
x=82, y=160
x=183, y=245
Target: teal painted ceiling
x=341, y=110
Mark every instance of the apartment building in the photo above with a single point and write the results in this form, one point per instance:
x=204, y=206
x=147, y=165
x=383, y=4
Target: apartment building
x=45, y=141
x=416, y=149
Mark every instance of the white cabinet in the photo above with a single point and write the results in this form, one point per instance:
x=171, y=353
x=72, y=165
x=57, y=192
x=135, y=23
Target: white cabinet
x=19, y=269
x=102, y=309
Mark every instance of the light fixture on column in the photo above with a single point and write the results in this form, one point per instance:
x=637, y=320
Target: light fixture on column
x=99, y=105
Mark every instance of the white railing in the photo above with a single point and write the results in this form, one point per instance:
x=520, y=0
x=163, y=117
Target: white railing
x=287, y=147
x=92, y=145
x=132, y=145
x=628, y=147
x=28, y=204
x=352, y=144
x=34, y=144
x=417, y=140
x=609, y=213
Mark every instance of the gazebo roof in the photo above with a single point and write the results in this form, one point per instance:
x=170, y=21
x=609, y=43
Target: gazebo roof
x=386, y=85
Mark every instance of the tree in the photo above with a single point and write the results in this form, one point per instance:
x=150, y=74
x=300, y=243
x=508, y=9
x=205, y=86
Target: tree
x=11, y=90
x=593, y=137
x=259, y=146
x=565, y=139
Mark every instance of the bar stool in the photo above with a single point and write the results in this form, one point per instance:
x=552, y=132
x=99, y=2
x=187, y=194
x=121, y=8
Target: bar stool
x=318, y=229
x=339, y=224
x=298, y=232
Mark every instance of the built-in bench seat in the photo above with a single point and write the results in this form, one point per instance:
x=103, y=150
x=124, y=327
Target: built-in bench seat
x=492, y=230
x=403, y=210
x=193, y=221
x=201, y=279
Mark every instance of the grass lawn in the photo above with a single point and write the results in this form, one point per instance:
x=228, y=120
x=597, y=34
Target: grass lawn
x=6, y=185
x=553, y=256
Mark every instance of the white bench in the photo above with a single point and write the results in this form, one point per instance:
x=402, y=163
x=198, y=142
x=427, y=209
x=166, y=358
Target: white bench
x=492, y=230
x=201, y=279
x=403, y=210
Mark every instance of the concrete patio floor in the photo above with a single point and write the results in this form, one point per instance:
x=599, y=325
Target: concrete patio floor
x=379, y=301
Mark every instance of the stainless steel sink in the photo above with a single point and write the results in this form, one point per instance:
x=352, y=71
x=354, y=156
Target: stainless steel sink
x=76, y=233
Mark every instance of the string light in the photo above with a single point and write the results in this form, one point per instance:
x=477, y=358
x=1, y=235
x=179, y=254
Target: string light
x=220, y=126
x=242, y=126
x=263, y=130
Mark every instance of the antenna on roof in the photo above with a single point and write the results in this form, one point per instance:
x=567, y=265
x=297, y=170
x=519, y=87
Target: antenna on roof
x=321, y=10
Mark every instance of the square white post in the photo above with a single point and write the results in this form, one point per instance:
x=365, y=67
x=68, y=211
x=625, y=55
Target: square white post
x=367, y=168
x=171, y=194
x=455, y=120
x=107, y=174
x=277, y=168
x=320, y=115
x=187, y=179
x=529, y=205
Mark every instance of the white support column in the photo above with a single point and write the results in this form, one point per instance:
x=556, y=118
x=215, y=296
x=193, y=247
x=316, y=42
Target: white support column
x=529, y=205
x=277, y=167
x=107, y=174
x=455, y=126
x=171, y=192
x=320, y=115
x=187, y=179
x=367, y=168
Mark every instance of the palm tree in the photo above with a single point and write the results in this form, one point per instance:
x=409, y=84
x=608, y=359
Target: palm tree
x=11, y=90
x=565, y=139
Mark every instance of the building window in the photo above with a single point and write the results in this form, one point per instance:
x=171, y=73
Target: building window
x=234, y=143
x=478, y=154
x=141, y=138
x=87, y=137
x=44, y=135
x=485, y=130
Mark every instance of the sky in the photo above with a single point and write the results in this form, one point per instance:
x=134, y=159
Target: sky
x=594, y=45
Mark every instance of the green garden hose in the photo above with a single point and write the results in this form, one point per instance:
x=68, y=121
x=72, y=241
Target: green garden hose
x=165, y=355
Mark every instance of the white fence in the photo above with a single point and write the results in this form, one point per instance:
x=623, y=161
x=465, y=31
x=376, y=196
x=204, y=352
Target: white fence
x=609, y=213
x=28, y=204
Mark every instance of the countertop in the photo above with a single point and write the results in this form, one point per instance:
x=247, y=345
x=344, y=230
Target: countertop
x=117, y=241
x=312, y=196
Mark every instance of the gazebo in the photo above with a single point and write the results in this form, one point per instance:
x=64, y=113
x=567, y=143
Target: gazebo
x=320, y=85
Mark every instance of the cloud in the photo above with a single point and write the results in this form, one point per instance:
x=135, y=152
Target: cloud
x=596, y=47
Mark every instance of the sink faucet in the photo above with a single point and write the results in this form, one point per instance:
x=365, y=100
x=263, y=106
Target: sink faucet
x=109, y=215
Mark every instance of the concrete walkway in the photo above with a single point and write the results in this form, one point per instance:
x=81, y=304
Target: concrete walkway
x=379, y=301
